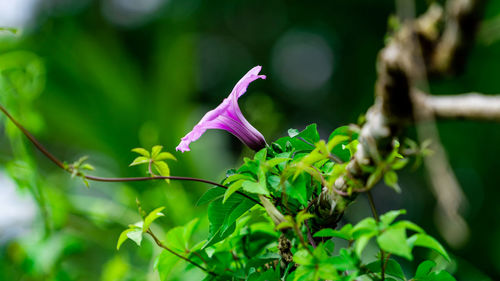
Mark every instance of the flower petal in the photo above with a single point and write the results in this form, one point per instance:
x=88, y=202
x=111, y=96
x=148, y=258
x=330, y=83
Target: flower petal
x=227, y=116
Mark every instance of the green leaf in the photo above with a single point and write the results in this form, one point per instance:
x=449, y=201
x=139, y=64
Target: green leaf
x=345, y=232
x=165, y=262
x=261, y=155
x=390, y=216
x=399, y=164
x=236, y=177
x=293, y=132
x=336, y=140
x=165, y=156
x=235, y=186
x=361, y=242
x=393, y=240
x=123, y=237
x=141, y=151
x=254, y=187
x=135, y=235
x=367, y=225
x=87, y=167
x=346, y=148
x=303, y=257
x=283, y=225
x=297, y=189
x=162, y=169
x=374, y=177
x=425, y=273
x=309, y=134
x=275, y=161
x=151, y=217
x=391, y=180
x=303, y=216
x=425, y=268
x=392, y=268
x=139, y=160
x=211, y=195
x=222, y=216
x=408, y=225
x=326, y=232
x=9, y=29
x=424, y=240
x=155, y=151
x=189, y=228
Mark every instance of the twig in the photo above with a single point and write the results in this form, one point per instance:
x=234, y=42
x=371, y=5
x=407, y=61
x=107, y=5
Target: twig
x=61, y=165
x=161, y=245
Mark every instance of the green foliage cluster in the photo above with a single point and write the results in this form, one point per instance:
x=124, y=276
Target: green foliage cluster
x=264, y=225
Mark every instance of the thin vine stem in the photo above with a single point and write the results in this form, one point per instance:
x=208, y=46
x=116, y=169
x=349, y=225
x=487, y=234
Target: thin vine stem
x=61, y=164
x=377, y=218
x=161, y=245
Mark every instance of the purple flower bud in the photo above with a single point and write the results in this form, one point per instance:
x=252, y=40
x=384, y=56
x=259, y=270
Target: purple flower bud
x=227, y=116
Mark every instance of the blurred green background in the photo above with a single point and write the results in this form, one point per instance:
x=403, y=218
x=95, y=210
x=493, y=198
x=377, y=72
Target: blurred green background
x=99, y=78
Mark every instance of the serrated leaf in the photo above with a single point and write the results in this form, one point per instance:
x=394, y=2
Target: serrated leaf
x=151, y=217
x=165, y=156
x=424, y=240
x=155, y=151
x=139, y=160
x=162, y=169
x=141, y=151
x=393, y=240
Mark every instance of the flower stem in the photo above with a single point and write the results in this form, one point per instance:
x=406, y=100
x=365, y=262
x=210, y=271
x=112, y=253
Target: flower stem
x=61, y=165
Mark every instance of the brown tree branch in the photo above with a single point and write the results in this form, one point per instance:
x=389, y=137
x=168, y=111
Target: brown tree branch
x=419, y=47
x=472, y=106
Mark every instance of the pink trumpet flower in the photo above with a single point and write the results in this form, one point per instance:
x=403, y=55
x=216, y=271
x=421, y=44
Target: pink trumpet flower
x=227, y=116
